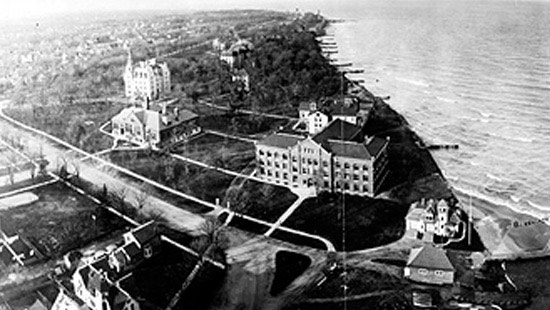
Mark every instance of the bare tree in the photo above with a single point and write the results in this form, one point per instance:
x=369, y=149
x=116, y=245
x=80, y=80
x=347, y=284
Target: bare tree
x=142, y=197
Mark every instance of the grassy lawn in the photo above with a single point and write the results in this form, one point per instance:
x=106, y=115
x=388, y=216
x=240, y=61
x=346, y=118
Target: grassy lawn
x=359, y=281
x=260, y=200
x=61, y=220
x=244, y=224
x=203, y=183
x=368, y=222
x=76, y=123
x=223, y=152
x=240, y=124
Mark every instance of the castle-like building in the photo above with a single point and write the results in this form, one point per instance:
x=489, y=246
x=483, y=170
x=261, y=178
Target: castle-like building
x=147, y=80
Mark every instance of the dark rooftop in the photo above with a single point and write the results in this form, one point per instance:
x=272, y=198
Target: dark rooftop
x=430, y=257
x=338, y=130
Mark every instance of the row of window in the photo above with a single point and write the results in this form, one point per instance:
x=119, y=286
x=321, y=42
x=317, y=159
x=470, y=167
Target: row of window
x=424, y=272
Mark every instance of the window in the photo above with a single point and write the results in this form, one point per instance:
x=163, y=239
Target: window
x=276, y=164
x=294, y=178
x=423, y=271
x=261, y=152
x=285, y=157
x=439, y=273
x=346, y=165
x=366, y=167
x=276, y=174
x=284, y=166
x=365, y=178
x=269, y=162
x=268, y=154
x=365, y=188
x=309, y=161
x=337, y=164
x=315, y=162
x=294, y=159
x=356, y=187
x=326, y=184
x=294, y=169
x=276, y=155
x=285, y=175
x=325, y=163
x=304, y=170
x=355, y=177
x=355, y=166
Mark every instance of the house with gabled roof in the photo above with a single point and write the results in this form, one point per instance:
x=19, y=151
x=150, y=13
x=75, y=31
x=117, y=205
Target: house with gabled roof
x=317, y=116
x=155, y=124
x=338, y=158
x=429, y=264
x=142, y=273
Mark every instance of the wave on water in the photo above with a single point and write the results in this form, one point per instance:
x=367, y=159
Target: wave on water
x=501, y=202
x=493, y=177
x=413, y=82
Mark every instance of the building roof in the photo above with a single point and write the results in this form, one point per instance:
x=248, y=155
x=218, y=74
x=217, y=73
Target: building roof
x=304, y=105
x=144, y=233
x=337, y=130
x=430, y=257
x=341, y=107
x=375, y=145
x=415, y=214
x=281, y=140
x=348, y=149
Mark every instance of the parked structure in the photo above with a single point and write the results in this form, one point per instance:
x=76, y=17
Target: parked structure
x=338, y=158
x=147, y=80
x=429, y=264
x=155, y=124
x=430, y=217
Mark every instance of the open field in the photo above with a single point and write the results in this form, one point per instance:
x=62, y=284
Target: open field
x=223, y=152
x=206, y=184
x=260, y=200
x=61, y=220
x=367, y=222
x=240, y=124
x=76, y=123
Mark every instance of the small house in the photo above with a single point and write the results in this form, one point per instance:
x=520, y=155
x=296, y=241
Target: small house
x=429, y=264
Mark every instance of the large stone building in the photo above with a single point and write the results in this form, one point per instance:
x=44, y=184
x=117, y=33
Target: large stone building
x=147, y=80
x=155, y=124
x=336, y=159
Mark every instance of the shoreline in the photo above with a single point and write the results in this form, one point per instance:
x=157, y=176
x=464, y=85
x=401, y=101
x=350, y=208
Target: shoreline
x=483, y=206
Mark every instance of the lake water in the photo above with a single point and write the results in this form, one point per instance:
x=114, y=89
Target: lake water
x=473, y=73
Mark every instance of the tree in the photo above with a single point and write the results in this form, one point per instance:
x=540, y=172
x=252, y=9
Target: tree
x=142, y=197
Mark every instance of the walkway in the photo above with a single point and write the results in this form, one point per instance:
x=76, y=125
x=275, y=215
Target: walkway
x=302, y=195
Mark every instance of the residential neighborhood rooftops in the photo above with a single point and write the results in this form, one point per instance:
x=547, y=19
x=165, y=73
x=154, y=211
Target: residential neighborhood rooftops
x=281, y=140
x=430, y=257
